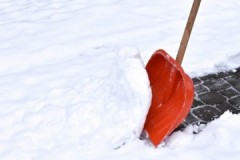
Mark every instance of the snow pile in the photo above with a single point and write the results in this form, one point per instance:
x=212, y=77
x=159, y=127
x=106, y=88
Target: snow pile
x=71, y=89
x=100, y=97
x=217, y=140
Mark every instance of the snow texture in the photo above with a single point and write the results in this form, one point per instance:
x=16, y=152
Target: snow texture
x=73, y=83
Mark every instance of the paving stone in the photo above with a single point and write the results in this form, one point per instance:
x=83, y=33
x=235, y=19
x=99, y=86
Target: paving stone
x=201, y=89
x=206, y=113
x=216, y=85
x=191, y=119
x=225, y=74
x=212, y=98
x=225, y=107
x=197, y=103
x=233, y=80
x=238, y=72
x=214, y=94
x=230, y=92
x=235, y=102
x=209, y=77
x=237, y=87
x=196, y=81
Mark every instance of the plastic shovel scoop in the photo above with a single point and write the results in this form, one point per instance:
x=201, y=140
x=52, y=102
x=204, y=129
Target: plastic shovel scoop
x=172, y=88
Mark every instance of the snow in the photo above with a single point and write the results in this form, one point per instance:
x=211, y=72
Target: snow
x=73, y=83
x=91, y=98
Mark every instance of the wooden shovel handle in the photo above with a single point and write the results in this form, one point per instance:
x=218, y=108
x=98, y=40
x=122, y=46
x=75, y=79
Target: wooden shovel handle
x=187, y=31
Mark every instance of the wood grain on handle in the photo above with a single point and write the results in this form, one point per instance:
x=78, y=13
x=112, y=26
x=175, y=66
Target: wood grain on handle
x=187, y=31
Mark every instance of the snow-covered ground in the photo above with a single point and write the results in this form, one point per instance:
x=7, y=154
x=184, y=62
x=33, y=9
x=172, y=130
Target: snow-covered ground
x=73, y=83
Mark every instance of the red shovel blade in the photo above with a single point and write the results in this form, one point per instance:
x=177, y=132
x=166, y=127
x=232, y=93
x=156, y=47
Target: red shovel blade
x=173, y=94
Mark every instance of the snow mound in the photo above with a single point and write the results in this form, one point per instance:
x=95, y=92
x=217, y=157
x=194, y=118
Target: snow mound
x=217, y=136
x=99, y=98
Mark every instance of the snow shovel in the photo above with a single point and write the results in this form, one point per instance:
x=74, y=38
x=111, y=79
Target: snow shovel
x=172, y=88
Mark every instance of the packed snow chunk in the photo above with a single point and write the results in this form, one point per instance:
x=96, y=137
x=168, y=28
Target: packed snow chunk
x=116, y=95
x=119, y=97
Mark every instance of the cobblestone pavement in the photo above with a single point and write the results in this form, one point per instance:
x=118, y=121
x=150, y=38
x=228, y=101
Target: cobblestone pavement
x=214, y=94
